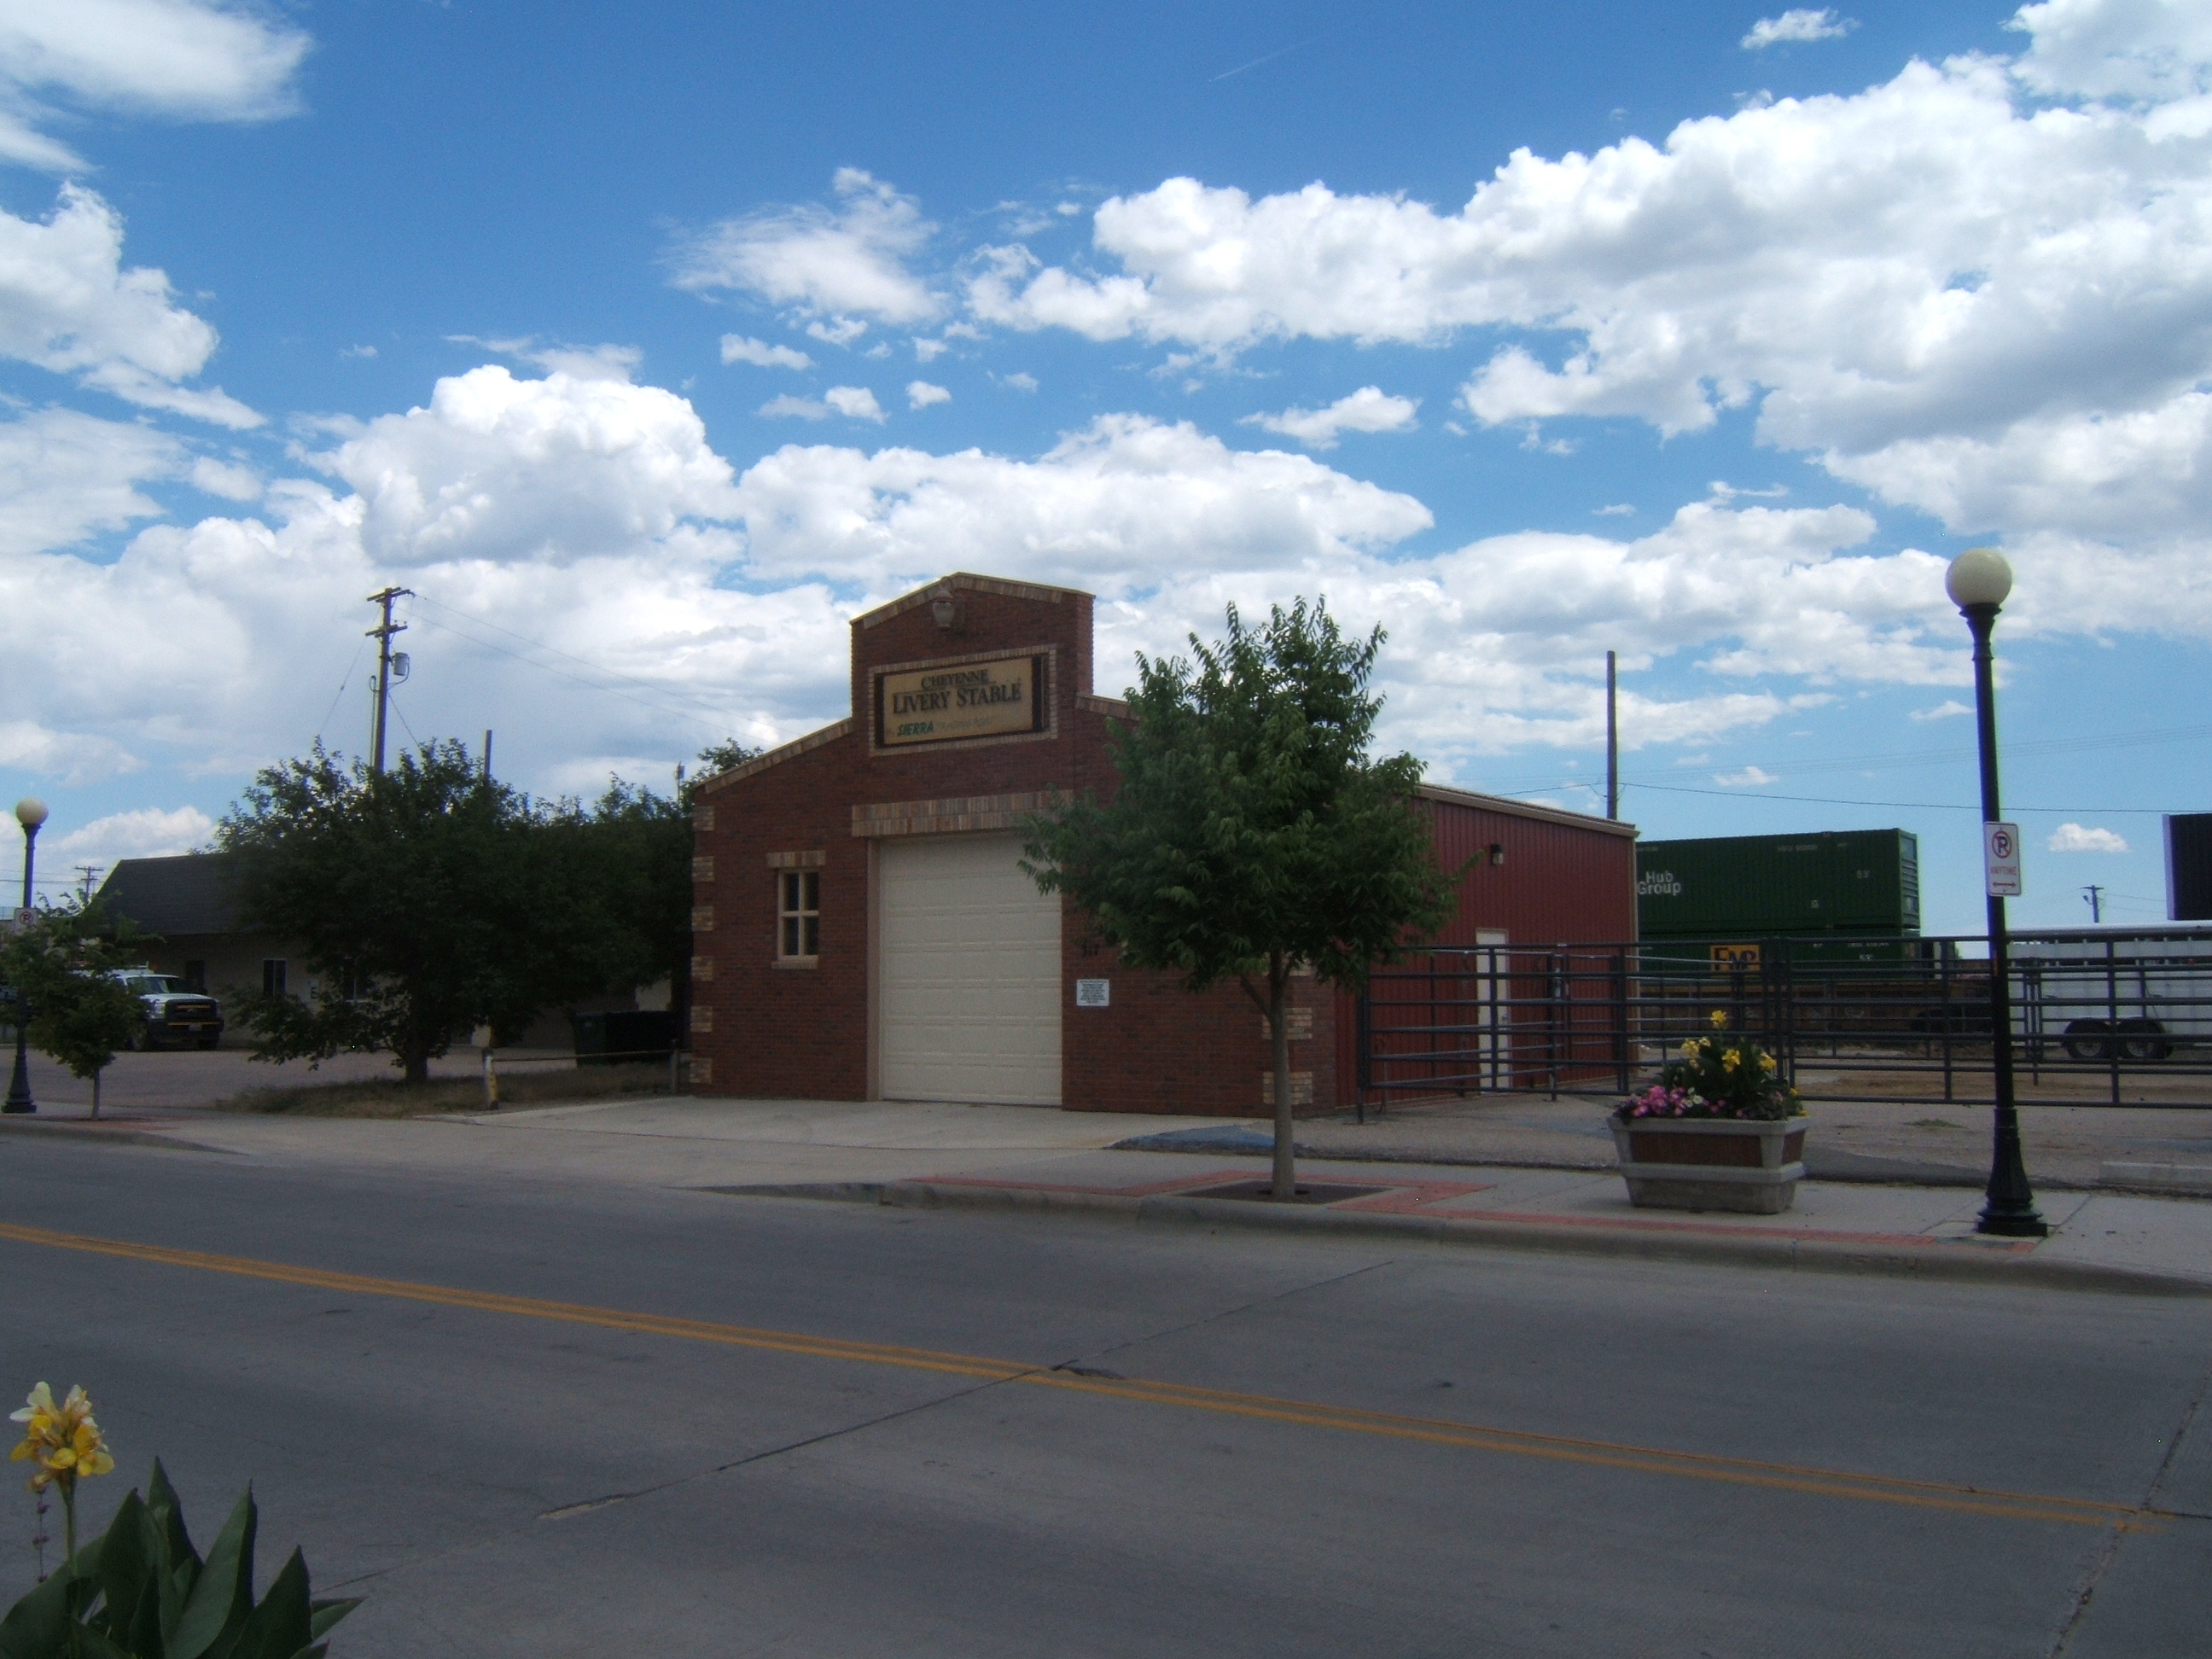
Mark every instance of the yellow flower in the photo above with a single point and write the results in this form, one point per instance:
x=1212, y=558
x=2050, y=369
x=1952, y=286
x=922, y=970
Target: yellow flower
x=1690, y=1049
x=63, y=1440
x=1766, y=1062
x=1719, y=1017
x=1731, y=1060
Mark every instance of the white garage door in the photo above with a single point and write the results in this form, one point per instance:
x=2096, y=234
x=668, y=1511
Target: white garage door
x=970, y=973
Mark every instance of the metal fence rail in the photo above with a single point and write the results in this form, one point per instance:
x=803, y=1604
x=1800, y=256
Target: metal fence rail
x=2103, y=1018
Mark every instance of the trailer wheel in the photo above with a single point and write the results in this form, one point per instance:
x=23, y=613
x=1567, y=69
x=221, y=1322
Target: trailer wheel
x=2088, y=1039
x=2143, y=1039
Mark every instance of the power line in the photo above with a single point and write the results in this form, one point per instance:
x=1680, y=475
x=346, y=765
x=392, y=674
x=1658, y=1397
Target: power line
x=325, y=723
x=1897, y=759
x=655, y=688
x=717, y=726
x=1837, y=800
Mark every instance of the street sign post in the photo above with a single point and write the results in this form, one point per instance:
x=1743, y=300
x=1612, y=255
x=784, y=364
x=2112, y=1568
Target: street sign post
x=2000, y=859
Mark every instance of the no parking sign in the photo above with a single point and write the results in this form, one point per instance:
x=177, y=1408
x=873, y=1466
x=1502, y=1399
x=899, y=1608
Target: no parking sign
x=2001, y=858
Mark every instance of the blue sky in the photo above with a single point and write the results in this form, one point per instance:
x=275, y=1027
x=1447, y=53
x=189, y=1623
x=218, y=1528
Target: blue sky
x=648, y=344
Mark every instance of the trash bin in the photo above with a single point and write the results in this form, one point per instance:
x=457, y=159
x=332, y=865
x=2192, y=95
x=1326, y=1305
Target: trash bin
x=624, y=1037
x=591, y=1031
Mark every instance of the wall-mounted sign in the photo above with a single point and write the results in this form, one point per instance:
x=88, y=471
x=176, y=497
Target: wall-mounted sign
x=970, y=700
x=1094, y=993
x=1735, y=956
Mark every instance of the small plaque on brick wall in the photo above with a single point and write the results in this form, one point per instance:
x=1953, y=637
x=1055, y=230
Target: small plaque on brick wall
x=1094, y=993
x=702, y=1069
x=1301, y=1089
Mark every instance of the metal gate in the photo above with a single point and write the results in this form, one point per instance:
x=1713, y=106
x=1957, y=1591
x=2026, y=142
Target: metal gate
x=2095, y=1016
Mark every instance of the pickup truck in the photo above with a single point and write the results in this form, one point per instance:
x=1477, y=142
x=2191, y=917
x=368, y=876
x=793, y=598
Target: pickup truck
x=174, y=1015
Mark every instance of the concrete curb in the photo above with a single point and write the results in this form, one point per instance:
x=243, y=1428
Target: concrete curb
x=100, y=1133
x=1959, y=1262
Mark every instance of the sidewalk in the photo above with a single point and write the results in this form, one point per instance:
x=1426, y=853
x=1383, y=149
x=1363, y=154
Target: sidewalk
x=1025, y=1158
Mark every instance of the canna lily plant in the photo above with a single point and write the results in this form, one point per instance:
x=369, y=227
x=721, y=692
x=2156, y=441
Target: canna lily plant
x=1715, y=1077
x=141, y=1590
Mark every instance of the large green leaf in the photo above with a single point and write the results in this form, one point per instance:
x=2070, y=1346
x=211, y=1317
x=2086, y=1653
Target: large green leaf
x=321, y=1615
x=279, y=1626
x=224, y=1594
x=180, y=1561
x=37, y=1626
x=129, y=1575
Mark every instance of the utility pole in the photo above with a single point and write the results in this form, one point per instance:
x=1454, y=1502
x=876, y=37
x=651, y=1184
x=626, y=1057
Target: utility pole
x=382, y=635
x=1612, y=741
x=487, y=754
x=2095, y=896
x=86, y=874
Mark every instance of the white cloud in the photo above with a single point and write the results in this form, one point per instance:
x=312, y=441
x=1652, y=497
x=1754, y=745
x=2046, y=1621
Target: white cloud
x=71, y=757
x=928, y=351
x=837, y=330
x=1019, y=380
x=1750, y=777
x=64, y=476
x=2154, y=49
x=563, y=539
x=1117, y=508
x=1804, y=23
x=1613, y=510
x=743, y=348
x=920, y=394
x=1949, y=708
x=178, y=58
x=1966, y=300
x=68, y=305
x=2080, y=838
x=150, y=832
x=789, y=406
x=500, y=469
x=855, y=402
x=598, y=362
x=223, y=478
x=354, y=351
x=1368, y=410
x=846, y=262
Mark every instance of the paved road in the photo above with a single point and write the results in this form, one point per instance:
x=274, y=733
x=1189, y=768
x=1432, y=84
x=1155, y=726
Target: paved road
x=529, y=1416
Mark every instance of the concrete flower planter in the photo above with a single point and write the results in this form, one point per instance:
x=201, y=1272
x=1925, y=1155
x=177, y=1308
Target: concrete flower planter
x=1712, y=1163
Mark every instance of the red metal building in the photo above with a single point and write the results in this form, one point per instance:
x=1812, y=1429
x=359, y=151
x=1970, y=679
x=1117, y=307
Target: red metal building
x=862, y=930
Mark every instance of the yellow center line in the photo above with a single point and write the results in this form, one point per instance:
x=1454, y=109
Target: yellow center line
x=1743, y=1472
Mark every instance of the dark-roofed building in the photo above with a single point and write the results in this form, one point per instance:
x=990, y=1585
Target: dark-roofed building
x=186, y=901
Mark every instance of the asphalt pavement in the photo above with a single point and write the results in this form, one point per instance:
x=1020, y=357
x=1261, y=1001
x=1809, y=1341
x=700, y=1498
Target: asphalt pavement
x=541, y=1406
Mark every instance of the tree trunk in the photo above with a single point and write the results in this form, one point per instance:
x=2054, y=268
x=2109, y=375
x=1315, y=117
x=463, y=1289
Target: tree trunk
x=95, y=1091
x=1279, y=1031
x=415, y=1066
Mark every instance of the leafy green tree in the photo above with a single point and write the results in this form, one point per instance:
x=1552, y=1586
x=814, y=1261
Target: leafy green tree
x=431, y=900
x=1251, y=835
x=59, y=961
x=635, y=864
x=631, y=855
x=719, y=757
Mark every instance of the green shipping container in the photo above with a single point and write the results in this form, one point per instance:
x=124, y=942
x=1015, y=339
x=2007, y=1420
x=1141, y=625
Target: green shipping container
x=1846, y=881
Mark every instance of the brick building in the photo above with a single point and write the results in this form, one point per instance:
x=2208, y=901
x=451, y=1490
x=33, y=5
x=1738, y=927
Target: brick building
x=861, y=929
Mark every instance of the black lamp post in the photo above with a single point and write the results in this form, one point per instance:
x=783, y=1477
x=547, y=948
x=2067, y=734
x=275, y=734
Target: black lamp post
x=30, y=812
x=1978, y=582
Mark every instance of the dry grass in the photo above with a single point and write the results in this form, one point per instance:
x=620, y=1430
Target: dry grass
x=389, y=1098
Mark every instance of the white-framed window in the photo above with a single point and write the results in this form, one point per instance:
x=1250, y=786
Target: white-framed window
x=797, y=915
